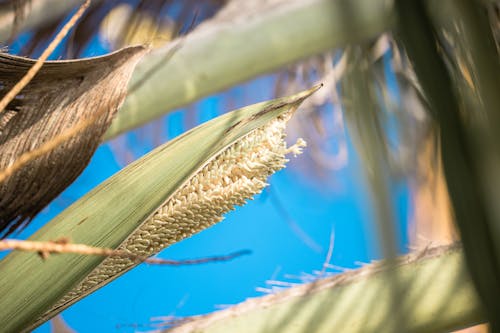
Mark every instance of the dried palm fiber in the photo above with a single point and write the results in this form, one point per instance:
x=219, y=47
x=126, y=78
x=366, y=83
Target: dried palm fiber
x=19, y=9
x=234, y=175
x=183, y=13
x=62, y=95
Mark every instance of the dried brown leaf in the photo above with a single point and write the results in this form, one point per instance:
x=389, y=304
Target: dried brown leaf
x=62, y=96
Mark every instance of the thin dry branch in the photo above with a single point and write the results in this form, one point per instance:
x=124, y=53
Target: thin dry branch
x=63, y=245
x=328, y=255
x=46, y=53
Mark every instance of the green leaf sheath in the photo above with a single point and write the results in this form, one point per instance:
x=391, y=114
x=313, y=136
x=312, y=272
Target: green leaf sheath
x=136, y=208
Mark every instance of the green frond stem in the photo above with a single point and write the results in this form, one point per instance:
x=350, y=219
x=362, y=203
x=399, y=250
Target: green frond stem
x=237, y=45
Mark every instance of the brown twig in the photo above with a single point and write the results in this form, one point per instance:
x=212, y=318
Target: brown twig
x=45, y=249
x=46, y=53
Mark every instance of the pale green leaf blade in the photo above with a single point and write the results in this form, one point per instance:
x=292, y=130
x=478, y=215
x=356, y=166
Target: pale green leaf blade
x=113, y=212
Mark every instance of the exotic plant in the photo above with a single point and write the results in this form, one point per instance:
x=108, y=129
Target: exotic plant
x=443, y=54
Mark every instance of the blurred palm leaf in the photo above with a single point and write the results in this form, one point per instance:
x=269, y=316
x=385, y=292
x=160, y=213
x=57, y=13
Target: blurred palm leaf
x=437, y=291
x=464, y=163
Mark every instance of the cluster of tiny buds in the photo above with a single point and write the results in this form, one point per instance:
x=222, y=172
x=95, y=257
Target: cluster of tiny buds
x=234, y=176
